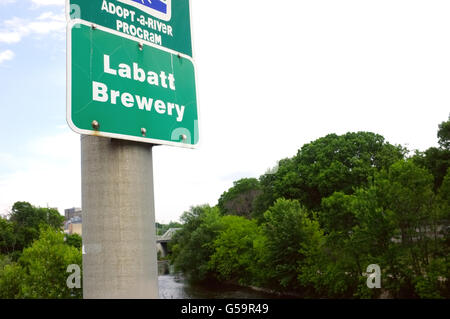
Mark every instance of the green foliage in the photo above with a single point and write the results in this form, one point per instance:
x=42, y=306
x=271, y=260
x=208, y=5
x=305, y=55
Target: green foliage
x=406, y=190
x=236, y=250
x=435, y=160
x=444, y=134
x=291, y=237
x=433, y=284
x=41, y=271
x=74, y=240
x=25, y=220
x=444, y=192
x=337, y=213
x=238, y=200
x=266, y=197
x=193, y=245
x=399, y=226
x=390, y=223
x=7, y=236
x=4, y=260
x=11, y=281
x=45, y=264
x=26, y=215
x=334, y=163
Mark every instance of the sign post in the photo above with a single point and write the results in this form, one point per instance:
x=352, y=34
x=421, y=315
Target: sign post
x=130, y=86
x=119, y=235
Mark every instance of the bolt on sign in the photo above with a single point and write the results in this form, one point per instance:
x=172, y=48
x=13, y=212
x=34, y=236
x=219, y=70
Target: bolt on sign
x=122, y=87
x=165, y=23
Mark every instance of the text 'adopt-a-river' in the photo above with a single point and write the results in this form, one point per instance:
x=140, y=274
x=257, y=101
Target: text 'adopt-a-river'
x=101, y=92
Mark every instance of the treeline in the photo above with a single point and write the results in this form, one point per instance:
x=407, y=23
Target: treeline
x=313, y=224
x=35, y=254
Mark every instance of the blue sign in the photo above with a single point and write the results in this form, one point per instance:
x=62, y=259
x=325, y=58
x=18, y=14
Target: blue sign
x=160, y=9
x=159, y=5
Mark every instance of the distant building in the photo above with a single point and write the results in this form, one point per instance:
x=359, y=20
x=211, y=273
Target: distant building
x=72, y=212
x=75, y=229
x=73, y=222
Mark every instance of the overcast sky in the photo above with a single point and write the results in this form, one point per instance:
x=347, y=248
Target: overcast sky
x=272, y=76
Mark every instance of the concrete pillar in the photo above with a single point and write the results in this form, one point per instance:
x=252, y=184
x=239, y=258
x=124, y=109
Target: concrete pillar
x=119, y=237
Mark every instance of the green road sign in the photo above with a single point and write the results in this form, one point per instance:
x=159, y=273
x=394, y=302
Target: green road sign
x=163, y=22
x=120, y=87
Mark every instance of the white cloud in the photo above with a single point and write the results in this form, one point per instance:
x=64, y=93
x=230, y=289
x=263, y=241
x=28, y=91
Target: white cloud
x=56, y=147
x=48, y=22
x=40, y=3
x=48, y=175
x=3, y=2
x=52, y=16
x=13, y=30
x=10, y=37
x=6, y=55
x=6, y=159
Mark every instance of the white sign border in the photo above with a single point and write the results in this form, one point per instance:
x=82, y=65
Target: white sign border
x=74, y=128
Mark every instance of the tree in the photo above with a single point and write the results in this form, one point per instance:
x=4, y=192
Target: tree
x=238, y=200
x=444, y=134
x=27, y=219
x=336, y=269
x=7, y=236
x=238, y=250
x=11, y=280
x=267, y=197
x=290, y=235
x=336, y=213
x=444, y=194
x=437, y=160
x=24, y=214
x=330, y=164
x=41, y=271
x=192, y=246
x=406, y=200
x=373, y=238
x=45, y=265
x=407, y=191
x=434, y=285
x=390, y=222
x=74, y=240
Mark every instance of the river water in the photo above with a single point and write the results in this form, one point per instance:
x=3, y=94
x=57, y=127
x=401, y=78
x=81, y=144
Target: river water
x=175, y=286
